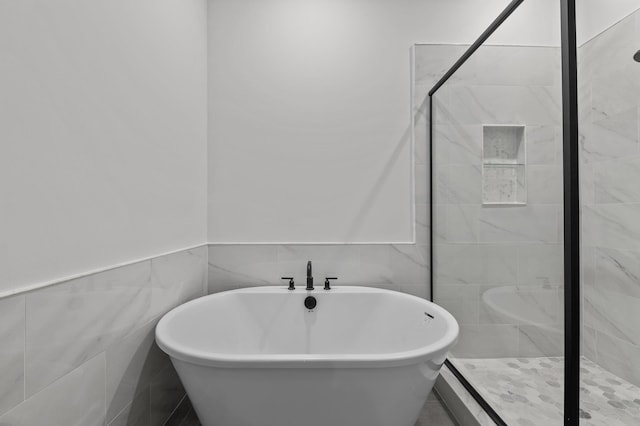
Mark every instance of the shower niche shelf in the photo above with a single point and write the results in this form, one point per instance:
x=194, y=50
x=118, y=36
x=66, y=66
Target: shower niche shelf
x=504, y=165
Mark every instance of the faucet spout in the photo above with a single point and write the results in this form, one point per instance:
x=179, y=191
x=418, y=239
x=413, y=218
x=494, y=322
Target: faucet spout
x=309, y=276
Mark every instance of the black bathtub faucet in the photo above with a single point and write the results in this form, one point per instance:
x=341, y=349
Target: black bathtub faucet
x=309, y=276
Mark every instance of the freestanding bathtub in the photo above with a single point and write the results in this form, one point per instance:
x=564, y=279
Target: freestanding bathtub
x=260, y=357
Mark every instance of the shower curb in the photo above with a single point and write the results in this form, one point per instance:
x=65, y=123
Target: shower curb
x=459, y=401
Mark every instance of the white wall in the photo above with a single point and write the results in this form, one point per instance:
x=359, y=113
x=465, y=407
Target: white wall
x=102, y=134
x=595, y=16
x=309, y=101
x=103, y=124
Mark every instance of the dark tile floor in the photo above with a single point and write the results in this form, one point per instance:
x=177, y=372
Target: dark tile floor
x=434, y=413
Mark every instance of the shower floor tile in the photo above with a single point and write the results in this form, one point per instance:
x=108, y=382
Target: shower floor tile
x=529, y=391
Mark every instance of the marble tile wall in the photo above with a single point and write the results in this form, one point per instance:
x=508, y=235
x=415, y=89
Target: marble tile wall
x=478, y=247
x=83, y=351
x=609, y=97
x=401, y=267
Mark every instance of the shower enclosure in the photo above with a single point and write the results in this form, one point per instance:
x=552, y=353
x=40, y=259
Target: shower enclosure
x=534, y=161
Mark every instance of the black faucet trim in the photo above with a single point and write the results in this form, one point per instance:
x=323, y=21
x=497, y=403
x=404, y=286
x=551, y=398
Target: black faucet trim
x=327, y=284
x=309, y=276
x=291, y=283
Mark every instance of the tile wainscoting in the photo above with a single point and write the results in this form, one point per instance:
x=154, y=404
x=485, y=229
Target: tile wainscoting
x=83, y=351
x=401, y=267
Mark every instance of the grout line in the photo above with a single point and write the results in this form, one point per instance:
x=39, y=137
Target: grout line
x=140, y=327
x=182, y=400
x=24, y=353
x=149, y=402
x=129, y=405
x=105, y=390
x=60, y=378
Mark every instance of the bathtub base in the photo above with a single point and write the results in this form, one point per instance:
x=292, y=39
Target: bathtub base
x=307, y=397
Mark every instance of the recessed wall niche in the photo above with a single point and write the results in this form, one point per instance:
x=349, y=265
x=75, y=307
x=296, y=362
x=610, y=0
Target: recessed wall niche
x=503, y=165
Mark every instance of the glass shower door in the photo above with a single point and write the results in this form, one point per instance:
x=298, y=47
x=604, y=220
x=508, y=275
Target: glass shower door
x=497, y=226
x=609, y=101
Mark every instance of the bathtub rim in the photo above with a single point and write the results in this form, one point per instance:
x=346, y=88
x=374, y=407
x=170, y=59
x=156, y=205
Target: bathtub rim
x=433, y=351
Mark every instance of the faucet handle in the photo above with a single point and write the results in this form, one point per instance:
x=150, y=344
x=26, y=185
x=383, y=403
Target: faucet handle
x=291, y=284
x=327, y=285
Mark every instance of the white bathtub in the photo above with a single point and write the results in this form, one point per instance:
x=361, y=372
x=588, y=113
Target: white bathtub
x=258, y=357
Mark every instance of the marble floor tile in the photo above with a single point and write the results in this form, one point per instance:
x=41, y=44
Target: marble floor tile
x=165, y=393
x=134, y=414
x=618, y=357
x=529, y=391
x=182, y=412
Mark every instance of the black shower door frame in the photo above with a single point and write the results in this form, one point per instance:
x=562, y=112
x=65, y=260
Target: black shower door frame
x=571, y=205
